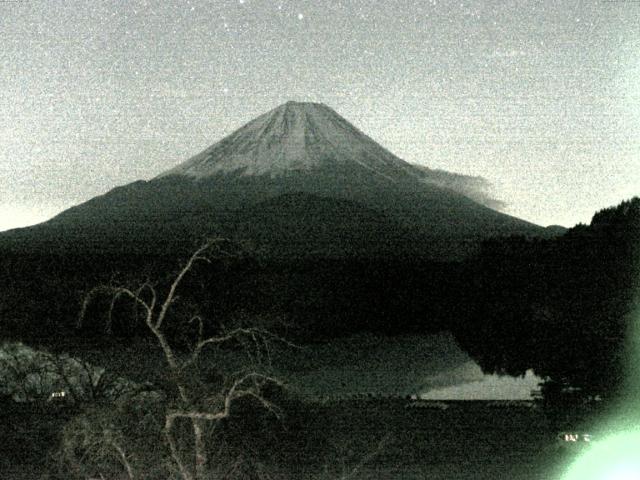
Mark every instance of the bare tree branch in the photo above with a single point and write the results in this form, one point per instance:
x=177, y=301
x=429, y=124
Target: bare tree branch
x=366, y=459
x=116, y=292
x=190, y=405
x=175, y=454
x=123, y=459
x=197, y=256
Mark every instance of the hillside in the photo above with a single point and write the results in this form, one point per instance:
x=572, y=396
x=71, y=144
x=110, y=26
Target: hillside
x=300, y=160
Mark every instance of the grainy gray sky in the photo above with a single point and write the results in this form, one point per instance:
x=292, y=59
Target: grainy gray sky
x=540, y=97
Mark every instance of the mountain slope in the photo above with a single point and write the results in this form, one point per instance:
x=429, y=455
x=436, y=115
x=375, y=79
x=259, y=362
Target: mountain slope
x=301, y=149
x=294, y=137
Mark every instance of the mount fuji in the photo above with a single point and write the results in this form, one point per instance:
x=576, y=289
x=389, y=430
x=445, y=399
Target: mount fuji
x=299, y=180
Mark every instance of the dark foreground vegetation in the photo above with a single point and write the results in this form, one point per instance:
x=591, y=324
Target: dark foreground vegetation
x=560, y=306
x=380, y=439
x=564, y=307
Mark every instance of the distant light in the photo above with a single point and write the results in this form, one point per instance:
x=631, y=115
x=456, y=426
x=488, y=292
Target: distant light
x=575, y=437
x=300, y=16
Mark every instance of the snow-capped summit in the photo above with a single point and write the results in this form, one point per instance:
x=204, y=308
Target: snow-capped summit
x=299, y=180
x=296, y=136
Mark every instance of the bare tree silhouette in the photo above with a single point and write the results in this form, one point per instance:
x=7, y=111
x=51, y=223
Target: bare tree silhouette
x=188, y=404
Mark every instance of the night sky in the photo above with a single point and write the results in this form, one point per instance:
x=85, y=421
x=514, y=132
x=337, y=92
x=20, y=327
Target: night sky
x=540, y=97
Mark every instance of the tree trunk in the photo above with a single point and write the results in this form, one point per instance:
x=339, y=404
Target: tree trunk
x=200, y=448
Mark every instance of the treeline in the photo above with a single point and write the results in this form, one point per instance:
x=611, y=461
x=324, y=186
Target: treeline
x=310, y=300
x=563, y=306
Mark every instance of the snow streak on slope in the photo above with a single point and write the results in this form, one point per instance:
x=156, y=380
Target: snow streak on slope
x=294, y=136
x=301, y=137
